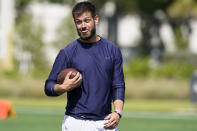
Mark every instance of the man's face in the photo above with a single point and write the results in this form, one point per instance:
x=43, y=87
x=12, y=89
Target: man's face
x=85, y=25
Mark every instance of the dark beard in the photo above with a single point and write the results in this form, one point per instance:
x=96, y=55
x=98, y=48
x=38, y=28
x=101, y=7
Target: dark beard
x=92, y=33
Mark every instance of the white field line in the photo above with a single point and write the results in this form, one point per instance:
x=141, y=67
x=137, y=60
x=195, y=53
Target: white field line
x=160, y=115
x=132, y=114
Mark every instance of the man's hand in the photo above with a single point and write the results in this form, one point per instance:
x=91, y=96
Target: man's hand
x=68, y=84
x=112, y=121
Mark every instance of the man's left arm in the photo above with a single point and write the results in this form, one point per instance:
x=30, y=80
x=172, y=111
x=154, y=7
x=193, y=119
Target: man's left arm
x=118, y=85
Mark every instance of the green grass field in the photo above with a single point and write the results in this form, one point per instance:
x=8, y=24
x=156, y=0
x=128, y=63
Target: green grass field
x=44, y=119
x=46, y=115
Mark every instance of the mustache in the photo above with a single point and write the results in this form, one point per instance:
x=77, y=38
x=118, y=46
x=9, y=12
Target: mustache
x=84, y=28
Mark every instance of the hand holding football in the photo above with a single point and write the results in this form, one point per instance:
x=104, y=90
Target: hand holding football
x=64, y=72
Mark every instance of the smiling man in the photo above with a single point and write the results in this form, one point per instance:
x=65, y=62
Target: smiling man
x=100, y=81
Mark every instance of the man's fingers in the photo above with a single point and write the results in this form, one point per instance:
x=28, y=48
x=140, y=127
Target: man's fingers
x=78, y=81
x=76, y=77
x=68, y=75
x=107, y=117
x=110, y=125
x=109, y=120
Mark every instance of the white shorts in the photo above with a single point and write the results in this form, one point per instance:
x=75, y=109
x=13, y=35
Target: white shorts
x=72, y=124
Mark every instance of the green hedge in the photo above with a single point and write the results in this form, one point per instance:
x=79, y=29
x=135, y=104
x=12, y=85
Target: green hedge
x=140, y=67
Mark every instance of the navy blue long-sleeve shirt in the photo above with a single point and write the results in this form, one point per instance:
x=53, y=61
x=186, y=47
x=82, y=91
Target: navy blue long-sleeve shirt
x=101, y=67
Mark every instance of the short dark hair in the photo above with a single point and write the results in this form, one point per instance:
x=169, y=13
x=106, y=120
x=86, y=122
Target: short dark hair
x=82, y=7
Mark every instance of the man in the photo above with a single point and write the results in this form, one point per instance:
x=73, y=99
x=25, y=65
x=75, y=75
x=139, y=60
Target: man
x=101, y=80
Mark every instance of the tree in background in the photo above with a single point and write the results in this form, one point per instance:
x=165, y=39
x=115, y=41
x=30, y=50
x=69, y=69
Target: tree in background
x=181, y=13
x=29, y=50
x=66, y=32
x=30, y=46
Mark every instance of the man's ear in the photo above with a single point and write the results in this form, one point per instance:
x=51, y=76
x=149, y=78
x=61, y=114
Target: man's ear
x=96, y=19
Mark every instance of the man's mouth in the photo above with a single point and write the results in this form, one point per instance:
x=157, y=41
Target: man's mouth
x=84, y=31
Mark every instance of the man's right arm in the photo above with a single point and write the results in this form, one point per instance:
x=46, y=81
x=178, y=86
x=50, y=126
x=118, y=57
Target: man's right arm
x=59, y=64
x=51, y=86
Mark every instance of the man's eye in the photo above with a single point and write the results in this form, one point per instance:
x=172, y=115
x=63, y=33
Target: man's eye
x=78, y=22
x=87, y=20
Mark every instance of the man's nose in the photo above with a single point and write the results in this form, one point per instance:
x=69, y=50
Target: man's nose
x=83, y=24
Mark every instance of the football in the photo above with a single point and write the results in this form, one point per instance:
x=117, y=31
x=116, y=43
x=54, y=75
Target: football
x=64, y=72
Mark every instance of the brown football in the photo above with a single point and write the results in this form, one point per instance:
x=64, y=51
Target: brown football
x=61, y=76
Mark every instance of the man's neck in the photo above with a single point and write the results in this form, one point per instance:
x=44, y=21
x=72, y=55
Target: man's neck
x=92, y=40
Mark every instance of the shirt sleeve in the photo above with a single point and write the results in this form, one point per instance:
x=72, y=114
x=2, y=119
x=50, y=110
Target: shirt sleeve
x=118, y=77
x=59, y=64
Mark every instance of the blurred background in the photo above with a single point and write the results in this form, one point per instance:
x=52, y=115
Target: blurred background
x=158, y=43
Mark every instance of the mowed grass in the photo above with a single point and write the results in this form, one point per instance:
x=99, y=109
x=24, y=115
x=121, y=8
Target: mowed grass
x=44, y=119
x=153, y=123
x=32, y=120
x=139, y=115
